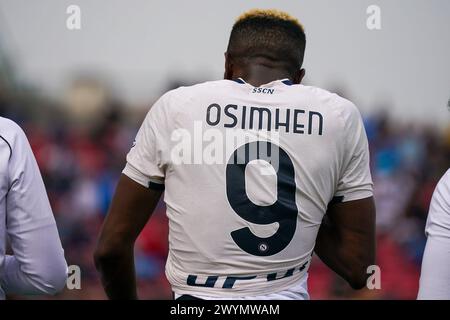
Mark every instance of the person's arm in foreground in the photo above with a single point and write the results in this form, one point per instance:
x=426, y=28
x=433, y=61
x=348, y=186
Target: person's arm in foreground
x=346, y=240
x=37, y=265
x=131, y=208
x=435, y=274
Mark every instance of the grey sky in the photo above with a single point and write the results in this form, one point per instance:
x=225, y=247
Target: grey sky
x=140, y=45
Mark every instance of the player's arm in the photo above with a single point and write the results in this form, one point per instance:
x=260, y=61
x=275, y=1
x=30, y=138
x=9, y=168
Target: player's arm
x=37, y=265
x=136, y=196
x=130, y=210
x=346, y=240
x=435, y=274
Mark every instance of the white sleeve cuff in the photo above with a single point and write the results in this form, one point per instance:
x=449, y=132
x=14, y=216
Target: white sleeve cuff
x=149, y=182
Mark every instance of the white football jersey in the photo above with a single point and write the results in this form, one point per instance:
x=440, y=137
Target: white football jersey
x=248, y=174
x=37, y=265
x=435, y=274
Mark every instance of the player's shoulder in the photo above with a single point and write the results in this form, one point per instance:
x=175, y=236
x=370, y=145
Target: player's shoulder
x=446, y=177
x=193, y=91
x=10, y=131
x=443, y=186
x=328, y=98
x=7, y=125
x=441, y=197
x=175, y=100
x=438, y=221
x=330, y=101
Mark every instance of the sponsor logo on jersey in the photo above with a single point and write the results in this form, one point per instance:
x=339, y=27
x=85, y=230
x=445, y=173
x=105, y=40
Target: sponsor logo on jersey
x=263, y=90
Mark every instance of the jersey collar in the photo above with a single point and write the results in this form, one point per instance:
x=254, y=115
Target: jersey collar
x=285, y=81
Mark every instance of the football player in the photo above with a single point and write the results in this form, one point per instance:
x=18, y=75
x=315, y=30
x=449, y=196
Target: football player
x=259, y=171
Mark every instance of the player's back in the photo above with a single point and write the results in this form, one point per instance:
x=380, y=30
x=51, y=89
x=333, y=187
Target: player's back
x=240, y=226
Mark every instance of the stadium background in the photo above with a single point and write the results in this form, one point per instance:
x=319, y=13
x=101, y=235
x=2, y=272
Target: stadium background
x=81, y=95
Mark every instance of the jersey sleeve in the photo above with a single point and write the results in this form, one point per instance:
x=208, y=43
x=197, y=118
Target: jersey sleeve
x=147, y=161
x=37, y=265
x=355, y=180
x=435, y=274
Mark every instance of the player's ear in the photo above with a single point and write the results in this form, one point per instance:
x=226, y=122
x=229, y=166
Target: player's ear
x=228, y=67
x=299, y=76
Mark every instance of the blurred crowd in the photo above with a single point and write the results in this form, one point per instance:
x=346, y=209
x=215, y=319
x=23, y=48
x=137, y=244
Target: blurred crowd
x=81, y=161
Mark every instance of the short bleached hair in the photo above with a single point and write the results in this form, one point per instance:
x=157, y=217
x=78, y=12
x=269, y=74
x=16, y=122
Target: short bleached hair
x=269, y=14
x=268, y=33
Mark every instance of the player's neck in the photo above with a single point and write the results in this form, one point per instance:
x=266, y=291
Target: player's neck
x=257, y=74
